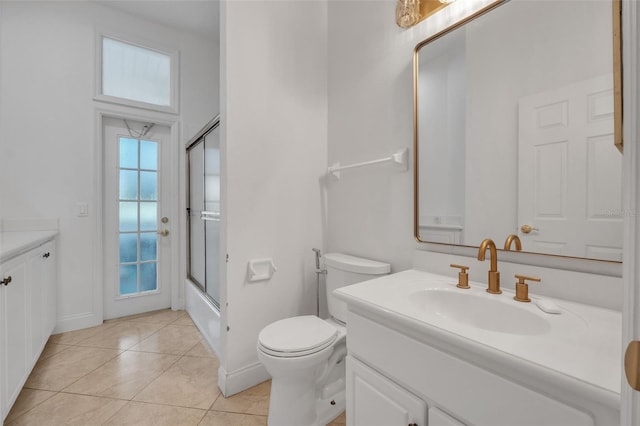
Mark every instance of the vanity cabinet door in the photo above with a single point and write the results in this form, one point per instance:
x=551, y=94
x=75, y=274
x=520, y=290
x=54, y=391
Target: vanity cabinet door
x=35, y=296
x=15, y=334
x=41, y=269
x=374, y=400
x=440, y=418
x=48, y=276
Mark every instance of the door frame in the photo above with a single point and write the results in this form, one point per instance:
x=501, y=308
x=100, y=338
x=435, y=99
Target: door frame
x=630, y=399
x=176, y=251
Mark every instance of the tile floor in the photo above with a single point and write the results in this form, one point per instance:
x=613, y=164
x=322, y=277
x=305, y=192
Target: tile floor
x=149, y=369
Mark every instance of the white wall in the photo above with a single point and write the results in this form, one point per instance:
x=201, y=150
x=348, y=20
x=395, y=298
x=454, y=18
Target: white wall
x=273, y=133
x=370, y=117
x=48, y=130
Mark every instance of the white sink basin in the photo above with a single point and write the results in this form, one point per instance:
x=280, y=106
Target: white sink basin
x=487, y=312
x=583, y=342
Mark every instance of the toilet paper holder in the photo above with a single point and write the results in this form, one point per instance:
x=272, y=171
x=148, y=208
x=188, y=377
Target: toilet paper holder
x=260, y=269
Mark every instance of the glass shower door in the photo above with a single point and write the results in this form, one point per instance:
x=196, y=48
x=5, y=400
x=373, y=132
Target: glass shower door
x=197, y=248
x=204, y=213
x=211, y=215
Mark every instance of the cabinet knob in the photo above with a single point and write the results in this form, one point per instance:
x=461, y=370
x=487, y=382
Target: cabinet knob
x=46, y=255
x=413, y=424
x=6, y=281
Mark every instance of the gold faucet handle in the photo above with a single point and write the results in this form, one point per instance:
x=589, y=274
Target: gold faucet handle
x=522, y=288
x=463, y=276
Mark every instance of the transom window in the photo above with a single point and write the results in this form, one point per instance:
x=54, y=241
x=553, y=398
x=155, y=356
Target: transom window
x=134, y=75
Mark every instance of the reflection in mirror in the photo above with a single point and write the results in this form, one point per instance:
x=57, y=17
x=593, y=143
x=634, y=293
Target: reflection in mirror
x=515, y=131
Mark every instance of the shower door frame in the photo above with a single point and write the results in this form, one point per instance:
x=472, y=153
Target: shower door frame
x=198, y=138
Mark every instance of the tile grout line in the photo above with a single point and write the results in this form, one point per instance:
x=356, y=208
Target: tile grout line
x=130, y=350
x=127, y=402
x=122, y=351
x=30, y=409
x=79, y=345
x=155, y=378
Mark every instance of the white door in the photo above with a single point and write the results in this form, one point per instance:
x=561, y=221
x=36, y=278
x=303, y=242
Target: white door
x=570, y=172
x=137, y=226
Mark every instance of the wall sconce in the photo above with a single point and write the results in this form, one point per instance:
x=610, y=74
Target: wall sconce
x=410, y=12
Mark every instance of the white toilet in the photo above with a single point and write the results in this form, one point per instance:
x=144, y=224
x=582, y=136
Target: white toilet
x=305, y=354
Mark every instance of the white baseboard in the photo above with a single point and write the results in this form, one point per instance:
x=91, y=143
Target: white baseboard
x=76, y=322
x=237, y=381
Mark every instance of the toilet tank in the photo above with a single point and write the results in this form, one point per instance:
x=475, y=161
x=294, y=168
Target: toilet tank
x=343, y=270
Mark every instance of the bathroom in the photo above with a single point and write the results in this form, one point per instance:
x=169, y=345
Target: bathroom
x=301, y=85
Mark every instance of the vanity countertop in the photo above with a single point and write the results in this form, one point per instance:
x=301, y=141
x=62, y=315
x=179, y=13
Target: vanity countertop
x=581, y=346
x=14, y=243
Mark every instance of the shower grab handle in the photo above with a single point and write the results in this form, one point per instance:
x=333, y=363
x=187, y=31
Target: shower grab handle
x=213, y=216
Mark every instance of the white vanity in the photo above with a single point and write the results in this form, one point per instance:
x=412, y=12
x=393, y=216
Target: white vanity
x=424, y=352
x=27, y=306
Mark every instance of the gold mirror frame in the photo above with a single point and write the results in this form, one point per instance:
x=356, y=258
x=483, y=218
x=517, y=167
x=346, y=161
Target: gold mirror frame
x=617, y=94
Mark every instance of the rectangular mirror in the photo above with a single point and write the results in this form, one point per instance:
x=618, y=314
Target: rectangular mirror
x=516, y=113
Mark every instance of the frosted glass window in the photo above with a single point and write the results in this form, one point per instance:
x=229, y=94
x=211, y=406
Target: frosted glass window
x=128, y=185
x=128, y=216
x=148, y=155
x=135, y=73
x=149, y=186
x=138, y=243
x=148, y=216
x=148, y=276
x=128, y=279
x=148, y=246
x=128, y=153
x=128, y=248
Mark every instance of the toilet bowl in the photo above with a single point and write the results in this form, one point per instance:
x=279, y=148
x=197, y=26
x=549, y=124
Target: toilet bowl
x=301, y=367
x=305, y=354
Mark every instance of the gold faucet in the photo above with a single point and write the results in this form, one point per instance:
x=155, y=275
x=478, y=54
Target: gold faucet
x=494, y=275
x=513, y=238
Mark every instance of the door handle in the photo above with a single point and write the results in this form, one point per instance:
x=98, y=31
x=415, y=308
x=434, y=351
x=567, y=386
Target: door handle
x=164, y=232
x=526, y=229
x=632, y=364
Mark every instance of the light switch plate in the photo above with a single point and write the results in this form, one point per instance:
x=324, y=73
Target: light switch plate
x=83, y=209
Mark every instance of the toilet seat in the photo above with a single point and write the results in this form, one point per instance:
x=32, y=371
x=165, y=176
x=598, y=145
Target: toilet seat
x=297, y=336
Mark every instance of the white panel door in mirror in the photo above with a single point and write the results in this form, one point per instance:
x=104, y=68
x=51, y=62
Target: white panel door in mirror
x=569, y=180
